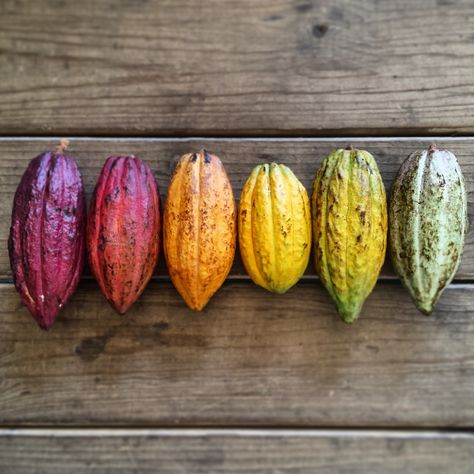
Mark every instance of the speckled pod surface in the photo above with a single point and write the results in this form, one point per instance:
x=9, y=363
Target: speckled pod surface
x=428, y=223
x=349, y=228
x=123, y=230
x=274, y=227
x=199, y=227
x=46, y=243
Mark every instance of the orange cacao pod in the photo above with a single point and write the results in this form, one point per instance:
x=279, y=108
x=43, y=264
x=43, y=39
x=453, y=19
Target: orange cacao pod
x=199, y=227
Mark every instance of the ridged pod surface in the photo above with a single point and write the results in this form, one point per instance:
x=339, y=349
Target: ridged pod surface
x=199, y=228
x=274, y=227
x=349, y=228
x=428, y=223
x=46, y=243
x=123, y=230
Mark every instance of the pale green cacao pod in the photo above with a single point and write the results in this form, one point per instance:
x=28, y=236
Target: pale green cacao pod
x=427, y=224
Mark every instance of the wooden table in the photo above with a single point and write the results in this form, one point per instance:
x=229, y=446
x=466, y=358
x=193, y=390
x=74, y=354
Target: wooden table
x=257, y=382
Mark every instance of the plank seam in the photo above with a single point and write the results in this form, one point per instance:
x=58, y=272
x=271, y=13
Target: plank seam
x=243, y=138
x=238, y=432
x=267, y=133
x=309, y=280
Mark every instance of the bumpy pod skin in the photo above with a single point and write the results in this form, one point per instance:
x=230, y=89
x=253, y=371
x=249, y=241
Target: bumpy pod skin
x=349, y=228
x=199, y=228
x=428, y=223
x=123, y=230
x=274, y=227
x=47, y=234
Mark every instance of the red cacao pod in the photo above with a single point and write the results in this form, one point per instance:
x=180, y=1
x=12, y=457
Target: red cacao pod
x=123, y=230
x=46, y=243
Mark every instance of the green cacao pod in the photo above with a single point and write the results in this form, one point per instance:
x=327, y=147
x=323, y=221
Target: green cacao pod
x=428, y=223
x=349, y=228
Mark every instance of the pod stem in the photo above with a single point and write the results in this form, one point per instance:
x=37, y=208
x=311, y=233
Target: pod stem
x=62, y=145
x=205, y=154
x=349, y=147
x=432, y=148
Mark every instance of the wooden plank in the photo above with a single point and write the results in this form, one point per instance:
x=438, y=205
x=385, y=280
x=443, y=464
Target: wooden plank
x=303, y=155
x=251, y=358
x=193, y=66
x=244, y=451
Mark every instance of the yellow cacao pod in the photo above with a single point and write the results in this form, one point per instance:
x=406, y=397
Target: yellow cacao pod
x=199, y=227
x=274, y=227
x=349, y=228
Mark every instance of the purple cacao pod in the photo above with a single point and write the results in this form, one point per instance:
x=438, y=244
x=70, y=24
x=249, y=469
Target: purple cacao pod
x=47, y=234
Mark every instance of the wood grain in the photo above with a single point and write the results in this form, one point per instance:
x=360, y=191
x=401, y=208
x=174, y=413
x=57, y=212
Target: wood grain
x=214, y=452
x=251, y=358
x=236, y=68
x=139, y=67
x=239, y=157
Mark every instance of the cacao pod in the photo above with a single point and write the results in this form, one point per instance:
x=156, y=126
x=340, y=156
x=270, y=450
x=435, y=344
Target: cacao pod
x=46, y=243
x=274, y=227
x=123, y=230
x=349, y=228
x=199, y=229
x=428, y=223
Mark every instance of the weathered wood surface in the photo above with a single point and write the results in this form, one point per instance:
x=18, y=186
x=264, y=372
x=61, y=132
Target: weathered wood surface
x=239, y=157
x=226, y=67
x=236, y=68
x=251, y=358
x=242, y=451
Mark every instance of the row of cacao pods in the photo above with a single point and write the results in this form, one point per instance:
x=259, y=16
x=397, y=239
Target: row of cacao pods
x=49, y=232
